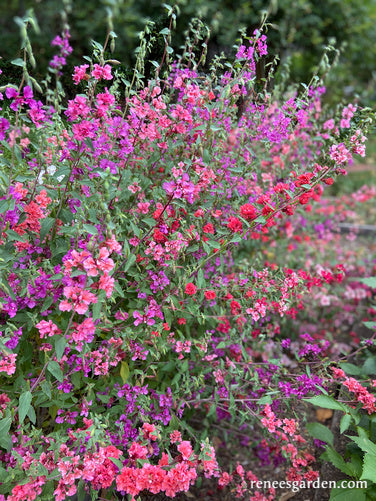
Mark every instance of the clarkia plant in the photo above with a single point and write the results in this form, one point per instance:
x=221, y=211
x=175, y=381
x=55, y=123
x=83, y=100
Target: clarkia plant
x=139, y=290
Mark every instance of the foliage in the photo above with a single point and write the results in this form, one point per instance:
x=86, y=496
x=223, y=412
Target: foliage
x=299, y=30
x=355, y=397
x=141, y=303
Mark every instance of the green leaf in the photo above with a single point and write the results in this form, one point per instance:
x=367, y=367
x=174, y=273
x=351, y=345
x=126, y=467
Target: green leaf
x=4, y=475
x=124, y=371
x=321, y=432
x=149, y=221
x=370, y=281
x=89, y=143
x=89, y=228
x=49, y=487
x=31, y=414
x=76, y=380
x=24, y=405
x=347, y=495
x=217, y=245
x=267, y=399
x=169, y=366
x=221, y=345
x=117, y=462
x=45, y=227
x=184, y=366
x=200, y=279
x=130, y=261
x=326, y=402
x=18, y=62
x=337, y=460
x=97, y=308
x=370, y=325
x=81, y=491
x=46, y=389
x=235, y=238
x=42, y=470
x=206, y=157
x=47, y=303
x=356, y=465
x=60, y=345
x=260, y=220
x=212, y=411
x=365, y=444
x=4, y=205
x=369, y=467
x=54, y=368
x=351, y=369
x=13, y=235
x=118, y=289
x=345, y=423
x=369, y=366
x=4, y=430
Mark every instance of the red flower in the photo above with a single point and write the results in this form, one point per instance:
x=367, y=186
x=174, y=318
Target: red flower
x=235, y=225
x=208, y=228
x=159, y=237
x=235, y=307
x=289, y=210
x=248, y=211
x=304, y=198
x=210, y=294
x=190, y=289
x=303, y=179
x=328, y=180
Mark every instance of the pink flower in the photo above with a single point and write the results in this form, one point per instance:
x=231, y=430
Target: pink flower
x=65, y=305
x=150, y=478
x=80, y=73
x=113, y=245
x=8, y=363
x=100, y=72
x=178, y=479
x=338, y=373
x=290, y=426
x=137, y=451
x=127, y=481
x=185, y=449
x=175, y=436
x=106, y=283
x=84, y=332
x=47, y=328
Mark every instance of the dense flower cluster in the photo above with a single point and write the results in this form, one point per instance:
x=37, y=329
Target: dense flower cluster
x=157, y=267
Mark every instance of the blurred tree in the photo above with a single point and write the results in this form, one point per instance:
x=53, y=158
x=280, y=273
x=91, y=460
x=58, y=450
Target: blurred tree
x=298, y=30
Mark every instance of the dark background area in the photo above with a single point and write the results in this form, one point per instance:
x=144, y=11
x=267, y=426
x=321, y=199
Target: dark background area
x=298, y=32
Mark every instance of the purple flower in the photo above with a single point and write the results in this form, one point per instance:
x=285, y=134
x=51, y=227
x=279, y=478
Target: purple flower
x=13, y=342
